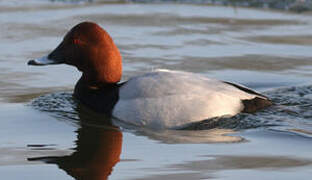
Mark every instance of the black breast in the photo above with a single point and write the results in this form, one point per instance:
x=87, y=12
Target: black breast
x=100, y=99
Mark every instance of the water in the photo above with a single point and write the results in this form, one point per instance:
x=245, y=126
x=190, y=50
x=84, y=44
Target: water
x=45, y=134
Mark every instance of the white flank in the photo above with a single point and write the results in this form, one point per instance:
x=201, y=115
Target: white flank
x=172, y=99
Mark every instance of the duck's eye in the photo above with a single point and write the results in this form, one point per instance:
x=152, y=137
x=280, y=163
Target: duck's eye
x=77, y=41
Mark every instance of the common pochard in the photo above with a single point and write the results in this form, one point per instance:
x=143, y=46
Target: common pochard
x=159, y=99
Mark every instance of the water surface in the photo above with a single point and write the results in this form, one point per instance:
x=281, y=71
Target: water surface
x=45, y=134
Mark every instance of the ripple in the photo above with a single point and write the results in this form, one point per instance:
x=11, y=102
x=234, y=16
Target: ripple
x=60, y=105
x=292, y=112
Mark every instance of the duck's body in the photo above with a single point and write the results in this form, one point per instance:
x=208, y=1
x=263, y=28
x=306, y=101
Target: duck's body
x=169, y=99
x=173, y=99
x=159, y=99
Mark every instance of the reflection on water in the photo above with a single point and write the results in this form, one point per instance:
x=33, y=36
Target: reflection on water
x=99, y=144
x=64, y=107
x=215, y=135
x=98, y=149
x=204, y=169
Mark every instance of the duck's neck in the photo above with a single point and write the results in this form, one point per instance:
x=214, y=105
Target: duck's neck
x=98, y=96
x=91, y=81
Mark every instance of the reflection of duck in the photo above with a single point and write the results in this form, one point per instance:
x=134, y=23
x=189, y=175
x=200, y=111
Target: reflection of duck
x=97, y=152
x=160, y=99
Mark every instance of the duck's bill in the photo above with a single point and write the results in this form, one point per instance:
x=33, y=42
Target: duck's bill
x=43, y=61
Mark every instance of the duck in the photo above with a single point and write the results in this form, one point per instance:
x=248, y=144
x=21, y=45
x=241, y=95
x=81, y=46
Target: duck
x=160, y=99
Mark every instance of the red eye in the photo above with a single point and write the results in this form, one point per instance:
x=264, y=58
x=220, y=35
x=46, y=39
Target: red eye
x=77, y=41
